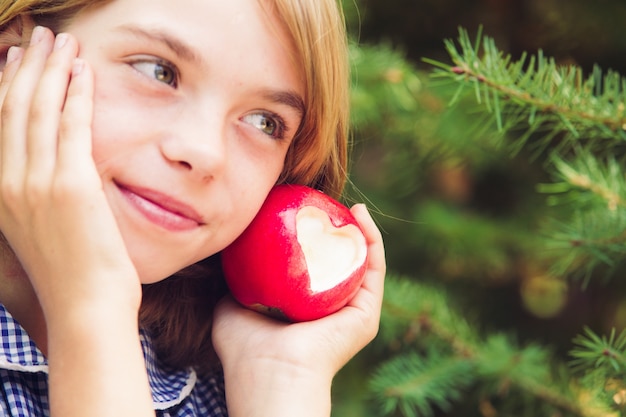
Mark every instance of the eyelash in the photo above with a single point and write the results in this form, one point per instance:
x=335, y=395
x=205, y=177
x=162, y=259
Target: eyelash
x=275, y=119
x=156, y=63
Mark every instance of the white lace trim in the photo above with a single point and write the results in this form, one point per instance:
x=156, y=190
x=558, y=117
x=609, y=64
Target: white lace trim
x=5, y=364
x=184, y=393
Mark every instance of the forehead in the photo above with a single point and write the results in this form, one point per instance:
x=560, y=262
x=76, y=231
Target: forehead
x=195, y=17
x=239, y=32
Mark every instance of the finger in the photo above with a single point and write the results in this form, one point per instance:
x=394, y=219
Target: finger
x=376, y=251
x=76, y=122
x=16, y=105
x=14, y=57
x=46, y=107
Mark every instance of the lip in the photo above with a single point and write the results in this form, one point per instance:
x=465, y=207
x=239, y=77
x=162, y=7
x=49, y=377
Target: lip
x=161, y=209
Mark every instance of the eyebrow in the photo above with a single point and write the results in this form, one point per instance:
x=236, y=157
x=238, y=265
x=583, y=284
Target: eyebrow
x=287, y=98
x=180, y=48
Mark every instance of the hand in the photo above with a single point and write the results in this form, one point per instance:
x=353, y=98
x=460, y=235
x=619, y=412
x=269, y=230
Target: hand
x=276, y=368
x=56, y=217
x=53, y=211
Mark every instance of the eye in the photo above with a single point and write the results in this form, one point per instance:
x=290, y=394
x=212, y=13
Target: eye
x=270, y=124
x=161, y=71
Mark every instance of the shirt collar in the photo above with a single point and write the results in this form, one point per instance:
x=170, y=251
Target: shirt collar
x=18, y=352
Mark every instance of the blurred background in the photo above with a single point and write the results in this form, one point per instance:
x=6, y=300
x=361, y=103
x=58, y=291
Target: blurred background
x=458, y=209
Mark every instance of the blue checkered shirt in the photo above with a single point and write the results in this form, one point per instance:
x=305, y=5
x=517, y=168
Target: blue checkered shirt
x=24, y=380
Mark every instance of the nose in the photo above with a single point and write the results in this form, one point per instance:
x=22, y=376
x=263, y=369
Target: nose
x=196, y=145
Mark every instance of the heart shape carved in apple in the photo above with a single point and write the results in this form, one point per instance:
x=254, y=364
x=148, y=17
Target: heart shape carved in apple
x=332, y=253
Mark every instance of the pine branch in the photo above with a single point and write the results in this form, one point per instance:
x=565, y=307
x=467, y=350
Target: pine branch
x=416, y=384
x=587, y=242
x=581, y=120
x=606, y=353
x=412, y=312
x=537, y=95
x=525, y=370
x=602, y=362
x=596, y=234
x=591, y=176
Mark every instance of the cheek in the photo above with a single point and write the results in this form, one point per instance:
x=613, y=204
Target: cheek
x=251, y=195
x=115, y=126
x=104, y=139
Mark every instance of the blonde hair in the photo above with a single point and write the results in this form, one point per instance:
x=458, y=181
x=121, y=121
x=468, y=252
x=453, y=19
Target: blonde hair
x=54, y=14
x=318, y=157
x=178, y=310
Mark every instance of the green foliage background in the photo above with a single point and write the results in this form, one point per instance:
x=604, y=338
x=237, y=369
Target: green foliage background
x=495, y=305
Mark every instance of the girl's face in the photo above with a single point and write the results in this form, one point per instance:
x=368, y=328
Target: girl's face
x=196, y=104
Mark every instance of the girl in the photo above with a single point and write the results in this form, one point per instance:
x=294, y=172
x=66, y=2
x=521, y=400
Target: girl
x=138, y=138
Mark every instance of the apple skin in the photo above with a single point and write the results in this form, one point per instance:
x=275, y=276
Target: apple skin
x=265, y=267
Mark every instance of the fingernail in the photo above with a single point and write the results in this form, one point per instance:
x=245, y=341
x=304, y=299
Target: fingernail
x=77, y=67
x=60, y=41
x=37, y=35
x=13, y=54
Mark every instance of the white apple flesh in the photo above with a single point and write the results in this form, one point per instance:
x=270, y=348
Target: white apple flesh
x=331, y=253
x=302, y=257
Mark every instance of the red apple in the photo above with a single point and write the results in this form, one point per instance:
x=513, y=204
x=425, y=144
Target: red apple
x=302, y=257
